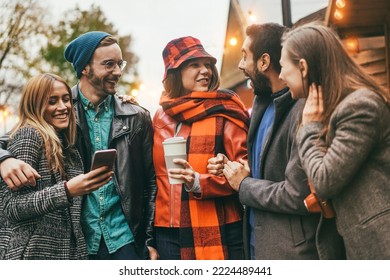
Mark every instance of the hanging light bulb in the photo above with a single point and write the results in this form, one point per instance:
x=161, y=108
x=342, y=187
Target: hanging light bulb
x=352, y=45
x=233, y=41
x=340, y=4
x=338, y=14
x=252, y=17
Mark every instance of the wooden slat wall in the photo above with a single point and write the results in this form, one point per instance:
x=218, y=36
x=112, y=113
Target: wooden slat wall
x=374, y=61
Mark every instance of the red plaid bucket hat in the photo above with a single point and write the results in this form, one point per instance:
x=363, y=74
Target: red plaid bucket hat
x=182, y=49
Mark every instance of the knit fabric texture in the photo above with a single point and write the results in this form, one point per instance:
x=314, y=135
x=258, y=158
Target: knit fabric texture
x=79, y=52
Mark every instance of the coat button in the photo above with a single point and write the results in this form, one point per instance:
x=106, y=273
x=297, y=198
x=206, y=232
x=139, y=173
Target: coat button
x=125, y=127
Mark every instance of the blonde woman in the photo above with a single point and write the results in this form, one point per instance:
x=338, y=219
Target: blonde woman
x=344, y=139
x=43, y=221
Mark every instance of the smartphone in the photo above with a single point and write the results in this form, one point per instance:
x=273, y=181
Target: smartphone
x=104, y=158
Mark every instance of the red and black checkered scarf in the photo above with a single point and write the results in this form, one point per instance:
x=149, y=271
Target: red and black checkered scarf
x=201, y=221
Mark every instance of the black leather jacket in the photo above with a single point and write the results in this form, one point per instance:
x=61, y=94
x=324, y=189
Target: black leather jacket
x=135, y=181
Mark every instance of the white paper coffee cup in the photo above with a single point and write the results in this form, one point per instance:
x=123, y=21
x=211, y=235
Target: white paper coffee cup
x=174, y=147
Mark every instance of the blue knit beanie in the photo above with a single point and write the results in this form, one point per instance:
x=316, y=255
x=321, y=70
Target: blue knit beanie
x=79, y=52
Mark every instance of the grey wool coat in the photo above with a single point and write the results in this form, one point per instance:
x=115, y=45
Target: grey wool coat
x=354, y=171
x=39, y=222
x=283, y=227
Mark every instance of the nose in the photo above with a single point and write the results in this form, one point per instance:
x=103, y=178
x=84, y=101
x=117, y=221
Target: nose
x=241, y=65
x=117, y=70
x=204, y=69
x=61, y=105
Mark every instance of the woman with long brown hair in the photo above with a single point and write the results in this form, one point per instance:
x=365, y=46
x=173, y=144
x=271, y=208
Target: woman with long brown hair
x=344, y=138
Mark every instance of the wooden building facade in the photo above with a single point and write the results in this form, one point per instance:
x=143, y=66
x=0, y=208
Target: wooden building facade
x=363, y=26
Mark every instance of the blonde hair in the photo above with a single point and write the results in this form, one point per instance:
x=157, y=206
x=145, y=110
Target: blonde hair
x=35, y=97
x=329, y=65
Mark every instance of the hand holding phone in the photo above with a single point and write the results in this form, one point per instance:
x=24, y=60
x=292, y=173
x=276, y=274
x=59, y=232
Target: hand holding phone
x=89, y=182
x=104, y=158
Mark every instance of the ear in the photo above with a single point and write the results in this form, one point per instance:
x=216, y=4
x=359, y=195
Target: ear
x=303, y=67
x=263, y=62
x=86, y=70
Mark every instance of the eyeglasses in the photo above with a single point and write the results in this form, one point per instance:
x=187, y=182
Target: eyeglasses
x=110, y=65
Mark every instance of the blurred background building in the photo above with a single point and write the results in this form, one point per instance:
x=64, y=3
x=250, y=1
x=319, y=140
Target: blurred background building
x=363, y=26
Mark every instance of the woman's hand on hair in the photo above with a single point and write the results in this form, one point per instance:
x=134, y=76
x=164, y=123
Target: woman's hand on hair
x=89, y=182
x=314, y=106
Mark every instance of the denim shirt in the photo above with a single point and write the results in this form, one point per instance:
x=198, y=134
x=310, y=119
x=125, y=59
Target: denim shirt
x=102, y=214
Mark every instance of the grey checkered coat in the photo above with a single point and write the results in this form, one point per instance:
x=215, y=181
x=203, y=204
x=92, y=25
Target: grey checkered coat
x=39, y=222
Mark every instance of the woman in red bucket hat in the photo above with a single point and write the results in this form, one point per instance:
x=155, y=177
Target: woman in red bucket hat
x=202, y=217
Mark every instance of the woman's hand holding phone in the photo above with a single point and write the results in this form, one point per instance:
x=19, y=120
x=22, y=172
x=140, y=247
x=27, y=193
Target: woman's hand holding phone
x=89, y=182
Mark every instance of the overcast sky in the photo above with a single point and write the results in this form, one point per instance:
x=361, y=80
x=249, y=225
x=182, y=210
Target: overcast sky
x=153, y=23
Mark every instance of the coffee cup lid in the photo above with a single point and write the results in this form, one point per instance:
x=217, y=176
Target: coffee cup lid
x=174, y=139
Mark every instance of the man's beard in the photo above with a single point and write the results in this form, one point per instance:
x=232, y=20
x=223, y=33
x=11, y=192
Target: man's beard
x=261, y=84
x=98, y=83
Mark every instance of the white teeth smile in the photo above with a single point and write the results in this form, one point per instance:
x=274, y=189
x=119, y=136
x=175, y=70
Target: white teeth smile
x=62, y=116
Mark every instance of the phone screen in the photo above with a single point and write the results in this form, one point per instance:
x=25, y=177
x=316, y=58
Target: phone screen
x=103, y=158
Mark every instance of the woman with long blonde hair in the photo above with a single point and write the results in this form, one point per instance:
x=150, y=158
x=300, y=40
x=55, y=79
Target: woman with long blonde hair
x=344, y=137
x=43, y=221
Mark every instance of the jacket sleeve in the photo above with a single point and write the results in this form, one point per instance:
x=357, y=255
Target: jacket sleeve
x=286, y=195
x=4, y=154
x=235, y=140
x=150, y=191
x=355, y=129
x=30, y=202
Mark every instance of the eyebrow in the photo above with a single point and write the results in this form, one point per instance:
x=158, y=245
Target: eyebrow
x=111, y=59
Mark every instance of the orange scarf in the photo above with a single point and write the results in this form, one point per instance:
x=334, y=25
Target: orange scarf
x=201, y=224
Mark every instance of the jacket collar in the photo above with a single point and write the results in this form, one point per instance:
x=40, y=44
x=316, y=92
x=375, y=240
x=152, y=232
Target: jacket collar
x=282, y=103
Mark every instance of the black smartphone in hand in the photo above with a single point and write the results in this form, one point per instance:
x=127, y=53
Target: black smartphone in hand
x=104, y=158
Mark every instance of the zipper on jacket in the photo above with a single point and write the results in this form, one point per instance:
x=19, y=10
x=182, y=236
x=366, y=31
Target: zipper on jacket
x=171, y=206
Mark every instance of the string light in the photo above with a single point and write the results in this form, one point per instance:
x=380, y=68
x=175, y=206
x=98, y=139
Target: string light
x=252, y=17
x=340, y=4
x=352, y=45
x=233, y=41
x=338, y=14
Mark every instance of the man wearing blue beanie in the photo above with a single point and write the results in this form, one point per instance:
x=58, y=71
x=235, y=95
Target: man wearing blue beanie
x=79, y=52
x=118, y=218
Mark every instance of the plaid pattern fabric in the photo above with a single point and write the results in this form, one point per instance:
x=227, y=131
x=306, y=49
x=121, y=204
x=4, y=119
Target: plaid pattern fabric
x=181, y=49
x=202, y=234
x=200, y=105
